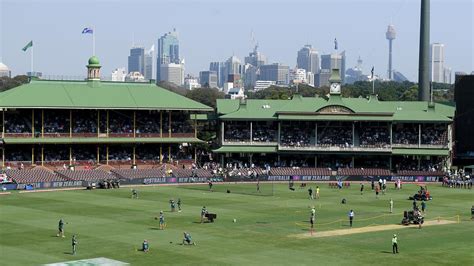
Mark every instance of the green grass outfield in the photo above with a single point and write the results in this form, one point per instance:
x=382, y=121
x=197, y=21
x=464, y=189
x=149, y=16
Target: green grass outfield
x=110, y=224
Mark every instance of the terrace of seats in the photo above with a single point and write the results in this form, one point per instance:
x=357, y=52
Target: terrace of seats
x=419, y=173
x=138, y=173
x=364, y=172
x=32, y=176
x=300, y=171
x=85, y=175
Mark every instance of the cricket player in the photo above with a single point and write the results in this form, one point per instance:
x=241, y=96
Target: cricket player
x=187, y=240
x=134, y=194
x=394, y=244
x=391, y=205
x=312, y=217
x=258, y=186
x=179, y=204
x=60, y=228
x=162, y=221
x=145, y=246
x=351, y=217
x=317, y=192
x=310, y=192
x=172, y=205
x=74, y=244
x=361, y=188
x=203, y=214
x=423, y=206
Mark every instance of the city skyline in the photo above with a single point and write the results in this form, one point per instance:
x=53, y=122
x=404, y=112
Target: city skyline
x=362, y=37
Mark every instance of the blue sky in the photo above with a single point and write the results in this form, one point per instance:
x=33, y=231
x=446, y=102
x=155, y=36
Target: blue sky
x=213, y=30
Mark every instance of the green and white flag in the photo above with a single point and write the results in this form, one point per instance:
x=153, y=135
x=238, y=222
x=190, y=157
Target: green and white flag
x=30, y=44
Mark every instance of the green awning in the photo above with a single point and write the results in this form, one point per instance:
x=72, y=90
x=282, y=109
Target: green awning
x=98, y=140
x=435, y=152
x=246, y=149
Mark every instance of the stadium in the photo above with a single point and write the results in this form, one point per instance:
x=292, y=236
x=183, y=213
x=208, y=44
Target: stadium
x=83, y=135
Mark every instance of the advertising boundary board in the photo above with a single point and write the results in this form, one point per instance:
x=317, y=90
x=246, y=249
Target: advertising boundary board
x=188, y=180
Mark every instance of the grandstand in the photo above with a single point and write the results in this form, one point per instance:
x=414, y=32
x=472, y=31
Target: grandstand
x=95, y=130
x=345, y=134
x=92, y=122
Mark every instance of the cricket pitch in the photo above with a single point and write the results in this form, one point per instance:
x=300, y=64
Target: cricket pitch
x=367, y=229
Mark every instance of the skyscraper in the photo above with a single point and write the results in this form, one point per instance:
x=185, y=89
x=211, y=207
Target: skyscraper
x=275, y=72
x=233, y=66
x=149, y=63
x=168, y=52
x=332, y=61
x=308, y=59
x=208, y=79
x=256, y=58
x=437, y=62
x=136, y=60
x=173, y=73
x=219, y=68
x=390, y=35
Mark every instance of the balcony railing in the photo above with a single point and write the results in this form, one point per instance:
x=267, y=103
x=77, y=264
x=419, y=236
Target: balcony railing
x=248, y=142
x=335, y=148
x=100, y=135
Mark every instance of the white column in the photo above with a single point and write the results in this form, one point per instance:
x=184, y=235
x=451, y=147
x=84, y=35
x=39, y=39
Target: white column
x=251, y=133
x=222, y=132
x=419, y=135
x=316, y=133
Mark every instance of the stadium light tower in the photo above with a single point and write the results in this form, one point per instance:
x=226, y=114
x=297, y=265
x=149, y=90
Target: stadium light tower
x=390, y=35
x=424, y=55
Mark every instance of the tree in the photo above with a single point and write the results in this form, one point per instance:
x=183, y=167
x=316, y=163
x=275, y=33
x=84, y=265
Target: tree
x=411, y=94
x=172, y=87
x=207, y=96
x=7, y=83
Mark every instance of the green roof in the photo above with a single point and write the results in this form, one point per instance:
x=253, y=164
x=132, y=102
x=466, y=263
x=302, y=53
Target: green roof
x=356, y=109
x=94, y=61
x=245, y=149
x=435, y=152
x=98, y=140
x=96, y=95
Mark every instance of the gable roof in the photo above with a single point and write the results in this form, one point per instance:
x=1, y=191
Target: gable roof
x=306, y=108
x=96, y=95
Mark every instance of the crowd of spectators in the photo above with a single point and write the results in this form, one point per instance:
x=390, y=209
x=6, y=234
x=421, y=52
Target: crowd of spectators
x=84, y=122
x=407, y=134
x=264, y=132
x=122, y=154
x=148, y=122
x=407, y=163
x=20, y=155
x=237, y=131
x=378, y=137
x=56, y=121
x=335, y=136
x=56, y=154
x=297, y=135
x=120, y=123
x=458, y=179
x=16, y=123
x=434, y=135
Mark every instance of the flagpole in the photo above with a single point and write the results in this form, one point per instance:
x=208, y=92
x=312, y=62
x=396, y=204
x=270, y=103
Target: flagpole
x=93, y=40
x=373, y=85
x=31, y=60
